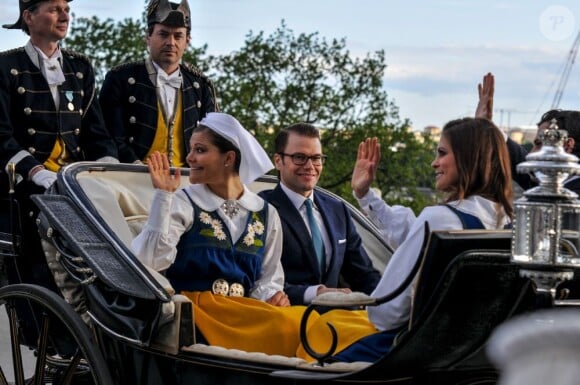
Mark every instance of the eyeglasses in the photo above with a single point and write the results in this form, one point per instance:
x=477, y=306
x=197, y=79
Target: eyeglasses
x=300, y=159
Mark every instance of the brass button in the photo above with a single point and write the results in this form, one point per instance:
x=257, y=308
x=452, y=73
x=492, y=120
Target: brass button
x=220, y=286
x=236, y=290
x=21, y=90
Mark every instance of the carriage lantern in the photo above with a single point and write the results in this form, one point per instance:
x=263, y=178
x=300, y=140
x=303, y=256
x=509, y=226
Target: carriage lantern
x=546, y=232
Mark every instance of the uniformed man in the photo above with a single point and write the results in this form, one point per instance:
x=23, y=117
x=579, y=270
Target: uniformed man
x=49, y=116
x=154, y=104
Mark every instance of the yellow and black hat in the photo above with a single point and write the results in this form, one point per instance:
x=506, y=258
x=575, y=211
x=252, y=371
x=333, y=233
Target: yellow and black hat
x=169, y=14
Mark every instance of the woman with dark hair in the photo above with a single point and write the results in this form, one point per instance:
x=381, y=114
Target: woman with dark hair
x=219, y=243
x=472, y=168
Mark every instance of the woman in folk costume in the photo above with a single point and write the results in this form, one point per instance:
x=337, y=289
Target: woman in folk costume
x=219, y=243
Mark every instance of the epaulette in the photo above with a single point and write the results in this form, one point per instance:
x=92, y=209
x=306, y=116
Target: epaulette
x=75, y=55
x=194, y=70
x=12, y=51
x=122, y=66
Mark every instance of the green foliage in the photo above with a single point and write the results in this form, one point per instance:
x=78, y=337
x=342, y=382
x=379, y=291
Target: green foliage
x=107, y=43
x=283, y=78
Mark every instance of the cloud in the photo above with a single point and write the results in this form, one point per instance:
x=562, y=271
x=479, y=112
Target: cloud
x=434, y=84
x=435, y=70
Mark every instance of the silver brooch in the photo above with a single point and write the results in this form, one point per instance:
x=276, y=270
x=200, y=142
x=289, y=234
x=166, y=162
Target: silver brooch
x=230, y=208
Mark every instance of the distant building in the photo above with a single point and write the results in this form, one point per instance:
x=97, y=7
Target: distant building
x=523, y=134
x=434, y=132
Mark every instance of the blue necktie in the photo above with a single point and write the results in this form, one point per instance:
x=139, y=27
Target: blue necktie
x=316, y=236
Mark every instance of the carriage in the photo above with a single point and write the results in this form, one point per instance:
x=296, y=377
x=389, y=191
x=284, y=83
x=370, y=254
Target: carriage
x=112, y=320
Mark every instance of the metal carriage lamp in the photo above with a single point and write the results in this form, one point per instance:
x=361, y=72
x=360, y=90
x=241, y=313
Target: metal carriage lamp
x=546, y=232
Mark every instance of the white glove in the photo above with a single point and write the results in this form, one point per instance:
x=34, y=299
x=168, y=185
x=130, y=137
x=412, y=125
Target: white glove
x=44, y=178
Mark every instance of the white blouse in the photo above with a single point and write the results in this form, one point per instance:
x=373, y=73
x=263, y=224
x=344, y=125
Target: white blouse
x=171, y=216
x=396, y=312
x=393, y=222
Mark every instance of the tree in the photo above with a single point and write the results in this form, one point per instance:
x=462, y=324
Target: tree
x=277, y=80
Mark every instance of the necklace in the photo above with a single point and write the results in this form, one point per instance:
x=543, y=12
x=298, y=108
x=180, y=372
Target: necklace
x=230, y=208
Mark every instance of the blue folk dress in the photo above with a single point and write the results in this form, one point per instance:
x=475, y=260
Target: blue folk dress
x=208, y=258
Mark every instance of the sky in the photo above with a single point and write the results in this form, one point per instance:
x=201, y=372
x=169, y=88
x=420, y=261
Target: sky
x=436, y=51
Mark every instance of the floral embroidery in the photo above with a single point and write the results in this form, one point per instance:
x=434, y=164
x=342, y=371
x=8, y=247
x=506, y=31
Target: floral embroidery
x=215, y=229
x=218, y=231
x=256, y=227
x=249, y=239
x=205, y=218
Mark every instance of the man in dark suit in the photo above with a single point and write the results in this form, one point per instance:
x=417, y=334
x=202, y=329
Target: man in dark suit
x=155, y=103
x=48, y=118
x=308, y=273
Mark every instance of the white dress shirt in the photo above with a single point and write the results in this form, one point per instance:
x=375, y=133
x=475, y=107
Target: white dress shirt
x=393, y=222
x=168, y=85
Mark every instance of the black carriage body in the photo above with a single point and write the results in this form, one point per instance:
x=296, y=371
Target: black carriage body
x=461, y=297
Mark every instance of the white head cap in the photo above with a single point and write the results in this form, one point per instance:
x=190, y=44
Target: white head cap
x=255, y=162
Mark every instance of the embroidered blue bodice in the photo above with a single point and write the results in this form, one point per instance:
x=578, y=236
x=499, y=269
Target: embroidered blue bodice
x=206, y=252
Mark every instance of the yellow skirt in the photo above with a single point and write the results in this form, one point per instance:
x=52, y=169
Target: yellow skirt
x=350, y=327
x=248, y=324
x=255, y=326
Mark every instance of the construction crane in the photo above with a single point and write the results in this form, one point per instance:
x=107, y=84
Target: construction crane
x=566, y=72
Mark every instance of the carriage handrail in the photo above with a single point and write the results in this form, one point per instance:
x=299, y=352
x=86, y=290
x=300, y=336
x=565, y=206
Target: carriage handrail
x=354, y=299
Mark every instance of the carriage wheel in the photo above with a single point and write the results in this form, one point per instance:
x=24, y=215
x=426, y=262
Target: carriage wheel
x=63, y=349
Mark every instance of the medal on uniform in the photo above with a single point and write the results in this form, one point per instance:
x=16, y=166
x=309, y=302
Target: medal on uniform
x=69, y=96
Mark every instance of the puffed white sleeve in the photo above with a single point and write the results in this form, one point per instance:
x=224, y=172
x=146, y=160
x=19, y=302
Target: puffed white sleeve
x=272, y=278
x=170, y=216
x=394, y=222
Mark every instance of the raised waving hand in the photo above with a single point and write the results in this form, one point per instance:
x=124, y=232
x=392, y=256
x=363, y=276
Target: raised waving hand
x=160, y=172
x=485, y=90
x=365, y=168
